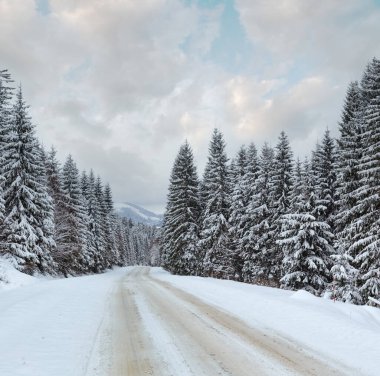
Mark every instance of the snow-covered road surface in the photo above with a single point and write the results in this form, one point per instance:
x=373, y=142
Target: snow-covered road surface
x=162, y=330
x=143, y=321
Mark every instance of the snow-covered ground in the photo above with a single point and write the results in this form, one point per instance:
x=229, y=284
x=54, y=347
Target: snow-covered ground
x=341, y=333
x=48, y=327
x=80, y=326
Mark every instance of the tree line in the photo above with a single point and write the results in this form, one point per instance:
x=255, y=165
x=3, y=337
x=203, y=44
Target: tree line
x=55, y=219
x=266, y=218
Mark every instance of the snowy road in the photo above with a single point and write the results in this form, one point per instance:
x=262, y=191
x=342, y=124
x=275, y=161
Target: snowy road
x=143, y=321
x=160, y=330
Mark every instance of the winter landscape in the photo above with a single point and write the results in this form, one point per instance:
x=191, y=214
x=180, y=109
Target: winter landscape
x=189, y=187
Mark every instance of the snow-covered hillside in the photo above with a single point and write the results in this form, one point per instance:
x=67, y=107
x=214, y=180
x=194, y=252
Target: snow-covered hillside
x=146, y=319
x=138, y=214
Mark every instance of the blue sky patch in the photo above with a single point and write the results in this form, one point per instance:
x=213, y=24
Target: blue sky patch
x=43, y=7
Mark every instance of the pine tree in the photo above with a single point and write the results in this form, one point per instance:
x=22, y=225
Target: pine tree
x=366, y=243
x=54, y=187
x=325, y=164
x=76, y=252
x=350, y=147
x=282, y=179
x=181, y=225
x=238, y=206
x=257, y=244
x=96, y=236
x=296, y=192
x=215, y=240
x=26, y=232
x=121, y=242
x=6, y=92
x=112, y=220
x=306, y=242
x=109, y=256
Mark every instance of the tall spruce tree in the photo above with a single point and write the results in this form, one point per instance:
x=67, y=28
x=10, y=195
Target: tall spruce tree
x=282, y=180
x=27, y=234
x=257, y=244
x=325, y=163
x=54, y=187
x=109, y=256
x=366, y=245
x=96, y=236
x=350, y=152
x=76, y=251
x=215, y=240
x=112, y=221
x=306, y=243
x=6, y=91
x=181, y=226
x=237, y=210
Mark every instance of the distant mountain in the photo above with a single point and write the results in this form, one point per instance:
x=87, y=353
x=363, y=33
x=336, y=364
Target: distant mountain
x=138, y=214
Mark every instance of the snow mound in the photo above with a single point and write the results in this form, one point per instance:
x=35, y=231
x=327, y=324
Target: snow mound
x=11, y=278
x=304, y=296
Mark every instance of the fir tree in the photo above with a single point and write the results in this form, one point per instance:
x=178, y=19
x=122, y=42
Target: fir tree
x=350, y=146
x=181, y=225
x=325, y=164
x=109, y=256
x=54, y=187
x=282, y=177
x=96, y=236
x=6, y=92
x=256, y=243
x=215, y=240
x=366, y=244
x=76, y=252
x=306, y=242
x=237, y=210
x=27, y=233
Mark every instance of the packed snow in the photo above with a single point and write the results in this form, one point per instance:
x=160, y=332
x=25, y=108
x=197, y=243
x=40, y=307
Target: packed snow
x=342, y=333
x=50, y=327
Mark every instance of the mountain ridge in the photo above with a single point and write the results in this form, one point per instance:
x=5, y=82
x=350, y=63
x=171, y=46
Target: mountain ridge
x=138, y=214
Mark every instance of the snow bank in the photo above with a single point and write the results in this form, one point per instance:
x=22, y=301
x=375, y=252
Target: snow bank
x=11, y=278
x=341, y=334
x=49, y=328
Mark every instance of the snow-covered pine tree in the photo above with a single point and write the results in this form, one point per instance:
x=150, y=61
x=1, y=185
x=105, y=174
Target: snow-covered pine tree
x=307, y=243
x=297, y=189
x=6, y=92
x=129, y=256
x=282, y=180
x=325, y=165
x=94, y=225
x=54, y=187
x=366, y=244
x=181, y=225
x=111, y=215
x=76, y=252
x=26, y=233
x=237, y=210
x=121, y=242
x=105, y=225
x=46, y=209
x=344, y=272
x=256, y=243
x=215, y=241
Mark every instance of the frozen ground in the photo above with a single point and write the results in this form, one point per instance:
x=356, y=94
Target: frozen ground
x=142, y=321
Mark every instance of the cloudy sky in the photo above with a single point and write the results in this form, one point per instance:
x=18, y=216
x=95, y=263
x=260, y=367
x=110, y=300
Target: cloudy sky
x=121, y=84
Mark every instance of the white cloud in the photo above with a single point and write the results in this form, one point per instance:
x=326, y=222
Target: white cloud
x=121, y=83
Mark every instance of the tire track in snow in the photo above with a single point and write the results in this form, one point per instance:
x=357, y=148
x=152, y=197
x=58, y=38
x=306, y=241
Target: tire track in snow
x=158, y=329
